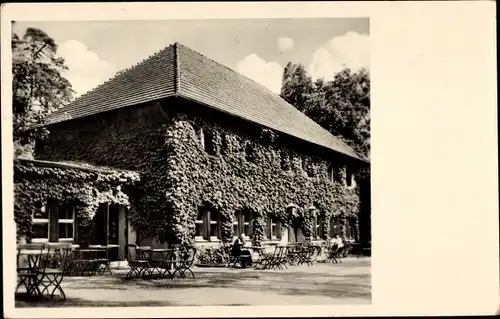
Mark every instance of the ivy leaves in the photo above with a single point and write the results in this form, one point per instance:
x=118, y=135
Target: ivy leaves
x=35, y=184
x=246, y=178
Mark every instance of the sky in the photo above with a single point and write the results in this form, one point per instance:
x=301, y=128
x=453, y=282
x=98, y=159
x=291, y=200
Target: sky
x=257, y=48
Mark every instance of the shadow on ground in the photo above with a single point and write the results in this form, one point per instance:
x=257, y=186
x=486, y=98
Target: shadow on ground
x=282, y=282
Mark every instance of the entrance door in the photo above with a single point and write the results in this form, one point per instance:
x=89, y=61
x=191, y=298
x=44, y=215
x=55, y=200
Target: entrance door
x=113, y=232
x=105, y=229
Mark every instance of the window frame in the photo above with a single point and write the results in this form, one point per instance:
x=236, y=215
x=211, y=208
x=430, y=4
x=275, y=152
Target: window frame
x=43, y=221
x=67, y=221
x=203, y=222
x=277, y=226
x=318, y=227
x=331, y=174
x=207, y=221
x=53, y=222
x=349, y=178
x=246, y=223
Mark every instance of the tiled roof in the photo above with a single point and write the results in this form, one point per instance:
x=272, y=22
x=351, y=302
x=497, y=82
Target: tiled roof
x=180, y=71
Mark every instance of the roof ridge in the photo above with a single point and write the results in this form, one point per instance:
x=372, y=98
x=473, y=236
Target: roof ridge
x=177, y=69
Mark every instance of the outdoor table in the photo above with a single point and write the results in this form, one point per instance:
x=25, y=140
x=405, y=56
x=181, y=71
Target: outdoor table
x=86, y=260
x=30, y=271
x=260, y=253
x=161, y=265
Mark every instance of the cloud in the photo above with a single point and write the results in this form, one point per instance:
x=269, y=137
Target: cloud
x=269, y=74
x=351, y=50
x=86, y=69
x=285, y=44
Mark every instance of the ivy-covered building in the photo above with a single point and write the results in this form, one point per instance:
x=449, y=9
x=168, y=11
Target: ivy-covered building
x=218, y=155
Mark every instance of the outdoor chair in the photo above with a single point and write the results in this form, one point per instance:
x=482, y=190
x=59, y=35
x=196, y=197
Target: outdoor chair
x=102, y=262
x=236, y=258
x=184, y=260
x=85, y=262
x=282, y=258
x=30, y=267
x=57, y=261
x=334, y=254
x=272, y=261
x=136, y=263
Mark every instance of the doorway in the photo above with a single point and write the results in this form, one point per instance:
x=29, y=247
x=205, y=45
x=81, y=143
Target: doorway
x=105, y=230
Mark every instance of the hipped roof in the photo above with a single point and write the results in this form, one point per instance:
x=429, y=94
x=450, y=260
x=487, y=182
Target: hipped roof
x=180, y=71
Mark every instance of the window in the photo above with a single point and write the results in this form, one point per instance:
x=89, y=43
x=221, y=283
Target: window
x=214, y=225
x=208, y=225
x=208, y=143
x=249, y=152
x=40, y=229
x=66, y=222
x=351, y=231
x=54, y=223
x=201, y=219
x=332, y=174
x=285, y=161
x=244, y=224
x=236, y=225
x=247, y=223
x=335, y=227
x=273, y=228
x=349, y=179
x=318, y=227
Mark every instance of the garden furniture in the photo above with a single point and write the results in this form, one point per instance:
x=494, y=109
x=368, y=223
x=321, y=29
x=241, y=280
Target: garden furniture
x=136, y=261
x=183, y=260
x=85, y=262
x=58, y=257
x=102, y=261
x=160, y=261
x=30, y=266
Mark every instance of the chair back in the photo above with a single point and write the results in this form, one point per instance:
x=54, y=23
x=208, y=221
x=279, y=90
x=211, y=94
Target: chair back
x=188, y=255
x=28, y=256
x=58, y=255
x=131, y=252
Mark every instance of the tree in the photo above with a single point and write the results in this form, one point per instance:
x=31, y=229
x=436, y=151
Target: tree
x=297, y=85
x=38, y=86
x=341, y=105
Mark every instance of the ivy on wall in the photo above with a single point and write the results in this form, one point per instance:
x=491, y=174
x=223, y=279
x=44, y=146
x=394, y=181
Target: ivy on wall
x=36, y=183
x=239, y=172
x=245, y=173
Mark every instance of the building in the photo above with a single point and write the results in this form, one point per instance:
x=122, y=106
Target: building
x=218, y=155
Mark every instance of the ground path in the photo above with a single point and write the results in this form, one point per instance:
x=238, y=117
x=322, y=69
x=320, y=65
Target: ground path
x=320, y=284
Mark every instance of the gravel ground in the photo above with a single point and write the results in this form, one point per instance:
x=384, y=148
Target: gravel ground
x=320, y=284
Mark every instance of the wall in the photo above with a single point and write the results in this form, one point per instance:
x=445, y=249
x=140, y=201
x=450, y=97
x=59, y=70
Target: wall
x=227, y=165
x=251, y=168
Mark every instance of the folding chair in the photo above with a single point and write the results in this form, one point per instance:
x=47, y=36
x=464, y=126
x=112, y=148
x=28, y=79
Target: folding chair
x=29, y=267
x=57, y=260
x=103, y=263
x=185, y=259
x=136, y=264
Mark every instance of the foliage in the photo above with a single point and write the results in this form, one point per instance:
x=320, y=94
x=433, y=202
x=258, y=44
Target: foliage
x=214, y=255
x=178, y=175
x=38, y=86
x=340, y=105
x=231, y=181
x=35, y=184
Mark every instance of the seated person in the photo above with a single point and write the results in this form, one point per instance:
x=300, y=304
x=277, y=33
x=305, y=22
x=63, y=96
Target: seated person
x=244, y=254
x=337, y=241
